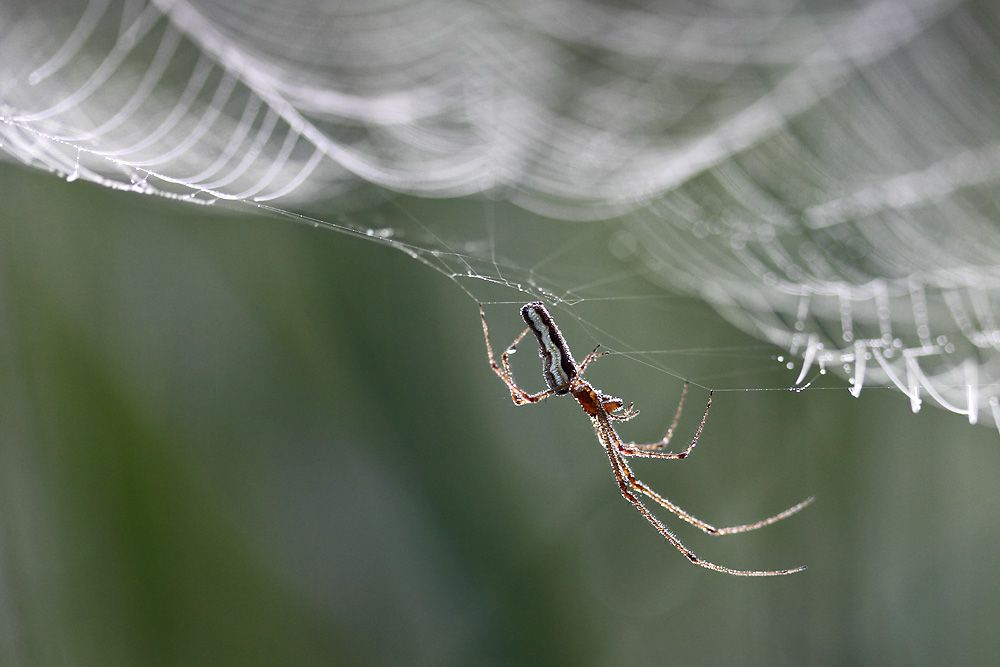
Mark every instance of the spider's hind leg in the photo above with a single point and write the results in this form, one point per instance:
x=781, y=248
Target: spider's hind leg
x=518, y=395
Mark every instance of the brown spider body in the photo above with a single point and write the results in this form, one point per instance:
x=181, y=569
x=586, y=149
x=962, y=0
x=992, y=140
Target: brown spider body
x=562, y=375
x=588, y=398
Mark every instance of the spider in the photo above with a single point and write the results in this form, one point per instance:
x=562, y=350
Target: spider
x=564, y=376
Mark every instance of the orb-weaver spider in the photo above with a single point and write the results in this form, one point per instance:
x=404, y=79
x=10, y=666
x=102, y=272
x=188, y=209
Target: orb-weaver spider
x=564, y=376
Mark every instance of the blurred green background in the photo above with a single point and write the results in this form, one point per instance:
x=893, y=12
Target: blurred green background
x=233, y=440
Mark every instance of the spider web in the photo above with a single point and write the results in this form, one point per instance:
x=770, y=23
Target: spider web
x=824, y=175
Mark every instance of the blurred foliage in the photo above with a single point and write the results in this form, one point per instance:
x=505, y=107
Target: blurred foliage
x=231, y=440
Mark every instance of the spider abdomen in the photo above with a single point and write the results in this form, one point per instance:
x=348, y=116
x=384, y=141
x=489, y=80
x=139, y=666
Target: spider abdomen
x=558, y=365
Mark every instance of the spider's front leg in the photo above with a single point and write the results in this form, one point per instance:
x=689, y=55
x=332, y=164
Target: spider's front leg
x=644, y=488
x=627, y=483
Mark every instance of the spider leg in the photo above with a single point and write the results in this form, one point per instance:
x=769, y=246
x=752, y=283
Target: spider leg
x=594, y=354
x=614, y=405
x=653, y=450
x=644, y=488
x=624, y=476
x=507, y=352
x=625, y=416
x=625, y=451
x=518, y=395
x=611, y=404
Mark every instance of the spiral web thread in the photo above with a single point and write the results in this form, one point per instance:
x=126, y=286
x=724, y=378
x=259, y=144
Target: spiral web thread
x=825, y=175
